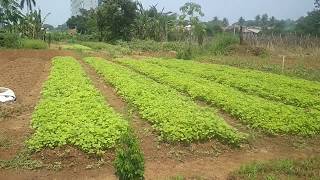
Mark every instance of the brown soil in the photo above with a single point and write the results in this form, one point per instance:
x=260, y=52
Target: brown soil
x=25, y=71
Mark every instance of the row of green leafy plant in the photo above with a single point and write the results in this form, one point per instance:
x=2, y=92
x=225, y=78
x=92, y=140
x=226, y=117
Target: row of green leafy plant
x=176, y=117
x=73, y=112
x=272, y=117
x=291, y=91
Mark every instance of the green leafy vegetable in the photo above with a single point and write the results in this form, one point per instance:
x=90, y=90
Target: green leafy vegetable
x=176, y=117
x=73, y=112
x=272, y=117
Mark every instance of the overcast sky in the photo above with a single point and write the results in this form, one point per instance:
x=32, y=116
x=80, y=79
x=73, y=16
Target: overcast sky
x=232, y=9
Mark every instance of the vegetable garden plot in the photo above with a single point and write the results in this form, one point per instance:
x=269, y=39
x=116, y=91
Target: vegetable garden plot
x=73, y=112
x=288, y=90
x=175, y=117
x=272, y=117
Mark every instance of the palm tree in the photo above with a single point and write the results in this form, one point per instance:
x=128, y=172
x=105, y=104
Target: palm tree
x=28, y=3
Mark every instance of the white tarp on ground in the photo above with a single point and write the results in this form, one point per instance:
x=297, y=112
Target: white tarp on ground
x=6, y=95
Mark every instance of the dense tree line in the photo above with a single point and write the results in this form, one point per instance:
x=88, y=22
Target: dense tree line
x=126, y=19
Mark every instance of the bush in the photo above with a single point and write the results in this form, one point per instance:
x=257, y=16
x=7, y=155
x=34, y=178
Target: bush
x=185, y=53
x=222, y=44
x=10, y=40
x=33, y=44
x=129, y=162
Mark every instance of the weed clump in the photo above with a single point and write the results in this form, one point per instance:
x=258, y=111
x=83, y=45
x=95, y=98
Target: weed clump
x=222, y=44
x=185, y=53
x=129, y=162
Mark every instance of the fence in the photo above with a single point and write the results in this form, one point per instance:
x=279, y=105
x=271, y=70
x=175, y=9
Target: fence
x=281, y=40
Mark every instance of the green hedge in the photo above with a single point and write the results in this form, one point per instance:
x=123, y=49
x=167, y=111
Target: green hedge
x=10, y=40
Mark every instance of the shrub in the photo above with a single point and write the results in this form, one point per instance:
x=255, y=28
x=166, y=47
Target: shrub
x=129, y=162
x=222, y=44
x=10, y=40
x=33, y=44
x=185, y=53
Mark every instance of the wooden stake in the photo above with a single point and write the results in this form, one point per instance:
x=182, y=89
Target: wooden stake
x=283, y=63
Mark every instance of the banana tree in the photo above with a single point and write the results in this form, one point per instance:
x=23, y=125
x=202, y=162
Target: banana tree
x=31, y=25
x=10, y=14
x=154, y=24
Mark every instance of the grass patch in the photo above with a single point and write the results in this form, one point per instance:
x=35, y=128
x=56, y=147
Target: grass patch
x=33, y=44
x=22, y=161
x=75, y=47
x=112, y=50
x=280, y=169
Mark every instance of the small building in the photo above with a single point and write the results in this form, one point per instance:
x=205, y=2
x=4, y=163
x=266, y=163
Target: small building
x=247, y=30
x=251, y=30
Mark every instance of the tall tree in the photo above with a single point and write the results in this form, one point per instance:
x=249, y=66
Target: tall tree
x=191, y=13
x=309, y=24
x=317, y=4
x=264, y=20
x=258, y=20
x=225, y=22
x=85, y=23
x=272, y=21
x=115, y=19
x=241, y=21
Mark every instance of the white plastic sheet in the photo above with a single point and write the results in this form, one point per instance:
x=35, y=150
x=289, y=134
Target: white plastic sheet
x=6, y=95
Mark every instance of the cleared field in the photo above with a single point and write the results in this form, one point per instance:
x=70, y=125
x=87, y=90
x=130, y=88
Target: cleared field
x=291, y=91
x=73, y=112
x=175, y=117
x=272, y=117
